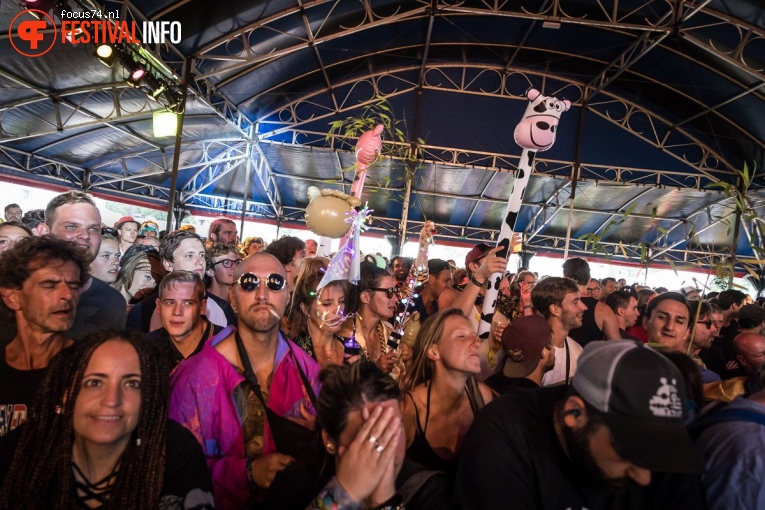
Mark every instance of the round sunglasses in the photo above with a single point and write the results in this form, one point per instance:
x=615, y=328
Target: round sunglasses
x=250, y=281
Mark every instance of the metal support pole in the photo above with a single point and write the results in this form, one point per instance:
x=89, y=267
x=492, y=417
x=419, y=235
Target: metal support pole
x=405, y=212
x=177, y=150
x=247, y=186
x=577, y=167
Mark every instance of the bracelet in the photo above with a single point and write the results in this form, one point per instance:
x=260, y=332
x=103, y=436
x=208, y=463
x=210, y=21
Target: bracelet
x=475, y=282
x=527, y=306
x=394, y=503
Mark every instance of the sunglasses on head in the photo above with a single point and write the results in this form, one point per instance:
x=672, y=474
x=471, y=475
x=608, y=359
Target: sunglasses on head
x=390, y=291
x=250, y=281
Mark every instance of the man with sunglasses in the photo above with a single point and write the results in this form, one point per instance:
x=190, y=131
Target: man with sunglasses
x=223, y=261
x=249, y=399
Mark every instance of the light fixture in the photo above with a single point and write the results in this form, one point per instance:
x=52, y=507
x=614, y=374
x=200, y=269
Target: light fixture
x=39, y=5
x=106, y=54
x=165, y=123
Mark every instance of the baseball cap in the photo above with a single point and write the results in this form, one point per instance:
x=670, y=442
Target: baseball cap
x=641, y=395
x=125, y=219
x=476, y=253
x=754, y=314
x=527, y=336
x=435, y=266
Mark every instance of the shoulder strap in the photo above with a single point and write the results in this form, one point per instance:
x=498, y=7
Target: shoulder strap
x=303, y=377
x=416, y=412
x=249, y=374
x=414, y=483
x=474, y=395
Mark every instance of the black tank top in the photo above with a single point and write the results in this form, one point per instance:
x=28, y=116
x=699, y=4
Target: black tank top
x=420, y=450
x=589, y=330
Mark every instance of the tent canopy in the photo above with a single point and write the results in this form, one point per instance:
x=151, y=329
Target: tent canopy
x=667, y=99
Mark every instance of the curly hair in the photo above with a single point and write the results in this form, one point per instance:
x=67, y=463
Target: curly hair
x=284, y=248
x=40, y=475
x=33, y=253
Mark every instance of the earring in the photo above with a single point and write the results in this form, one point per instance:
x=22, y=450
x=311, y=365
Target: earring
x=58, y=410
x=138, y=442
x=576, y=413
x=330, y=448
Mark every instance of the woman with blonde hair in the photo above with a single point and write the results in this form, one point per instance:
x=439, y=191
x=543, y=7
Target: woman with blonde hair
x=315, y=317
x=441, y=395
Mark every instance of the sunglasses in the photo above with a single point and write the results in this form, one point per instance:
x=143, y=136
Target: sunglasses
x=390, y=291
x=709, y=323
x=109, y=231
x=227, y=263
x=250, y=281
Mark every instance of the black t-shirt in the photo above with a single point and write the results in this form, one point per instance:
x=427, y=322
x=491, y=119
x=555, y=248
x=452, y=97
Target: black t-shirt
x=512, y=458
x=187, y=482
x=17, y=391
x=589, y=330
x=165, y=344
x=503, y=384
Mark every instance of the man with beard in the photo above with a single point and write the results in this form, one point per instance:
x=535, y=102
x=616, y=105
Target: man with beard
x=557, y=299
x=529, y=354
x=707, y=327
x=40, y=283
x=221, y=393
x=615, y=440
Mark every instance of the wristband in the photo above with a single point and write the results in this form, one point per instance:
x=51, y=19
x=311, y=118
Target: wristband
x=476, y=282
x=394, y=503
x=528, y=306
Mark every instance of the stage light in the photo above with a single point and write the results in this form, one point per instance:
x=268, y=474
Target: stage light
x=40, y=5
x=106, y=54
x=136, y=73
x=165, y=123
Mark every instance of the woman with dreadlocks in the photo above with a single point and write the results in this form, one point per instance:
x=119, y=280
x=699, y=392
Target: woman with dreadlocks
x=315, y=318
x=98, y=436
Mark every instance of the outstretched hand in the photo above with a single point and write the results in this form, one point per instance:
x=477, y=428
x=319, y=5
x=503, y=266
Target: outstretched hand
x=491, y=264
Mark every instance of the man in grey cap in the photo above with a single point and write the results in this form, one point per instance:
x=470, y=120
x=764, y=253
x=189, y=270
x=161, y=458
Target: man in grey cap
x=616, y=439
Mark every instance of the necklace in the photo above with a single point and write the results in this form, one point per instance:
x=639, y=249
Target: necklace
x=99, y=491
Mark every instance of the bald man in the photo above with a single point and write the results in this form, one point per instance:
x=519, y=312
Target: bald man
x=750, y=354
x=243, y=454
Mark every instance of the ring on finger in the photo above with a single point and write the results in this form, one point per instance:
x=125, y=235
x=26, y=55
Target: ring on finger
x=372, y=439
x=379, y=448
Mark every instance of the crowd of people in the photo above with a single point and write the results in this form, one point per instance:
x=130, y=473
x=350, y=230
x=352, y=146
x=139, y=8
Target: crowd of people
x=149, y=369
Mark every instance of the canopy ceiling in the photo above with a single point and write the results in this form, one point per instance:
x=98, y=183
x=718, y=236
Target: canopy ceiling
x=667, y=99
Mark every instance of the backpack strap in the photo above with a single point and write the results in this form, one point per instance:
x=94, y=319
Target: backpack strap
x=721, y=414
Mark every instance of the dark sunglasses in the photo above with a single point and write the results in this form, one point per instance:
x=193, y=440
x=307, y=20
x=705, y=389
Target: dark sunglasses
x=250, y=281
x=109, y=231
x=227, y=263
x=708, y=324
x=390, y=291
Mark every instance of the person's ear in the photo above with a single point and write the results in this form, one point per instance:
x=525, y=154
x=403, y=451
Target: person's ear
x=210, y=272
x=42, y=229
x=203, y=306
x=329, y=445
x=555, y=310
x=304, y=309
x=213, y=237
x=10, y=298
x=620, y=312
x=574, y=412
x=167, y=265
x=365, y=297
x=433, y=353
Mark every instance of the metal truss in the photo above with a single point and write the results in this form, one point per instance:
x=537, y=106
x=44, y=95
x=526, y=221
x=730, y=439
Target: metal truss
x=681, y=144
x=74, y=109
